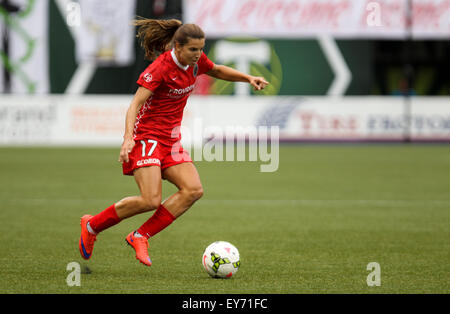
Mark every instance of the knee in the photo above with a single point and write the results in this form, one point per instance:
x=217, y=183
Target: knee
x=150, y=204
x=195, y=193
x=198, y=193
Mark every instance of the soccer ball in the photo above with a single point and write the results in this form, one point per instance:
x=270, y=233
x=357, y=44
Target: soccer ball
x=221, y=259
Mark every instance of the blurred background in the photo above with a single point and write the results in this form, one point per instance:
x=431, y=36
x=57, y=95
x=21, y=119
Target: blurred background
x=339, y=70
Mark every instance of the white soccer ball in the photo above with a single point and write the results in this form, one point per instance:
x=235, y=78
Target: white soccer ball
x=221, y=259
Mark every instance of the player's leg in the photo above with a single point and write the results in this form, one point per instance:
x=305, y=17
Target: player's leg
x=148, y=180
x=149, y=183
x=186, y=178
x=179, y=170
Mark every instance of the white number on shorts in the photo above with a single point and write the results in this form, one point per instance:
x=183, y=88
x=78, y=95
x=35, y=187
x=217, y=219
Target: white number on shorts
x=153, y=142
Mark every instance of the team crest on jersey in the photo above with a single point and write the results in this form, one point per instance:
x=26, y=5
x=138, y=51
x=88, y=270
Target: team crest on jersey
x=195, y=69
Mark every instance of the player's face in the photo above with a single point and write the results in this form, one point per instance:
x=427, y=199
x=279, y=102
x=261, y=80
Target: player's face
x=190, y=52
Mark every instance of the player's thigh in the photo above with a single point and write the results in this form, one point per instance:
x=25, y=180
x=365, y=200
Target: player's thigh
x=149, y=182
x=184, y=176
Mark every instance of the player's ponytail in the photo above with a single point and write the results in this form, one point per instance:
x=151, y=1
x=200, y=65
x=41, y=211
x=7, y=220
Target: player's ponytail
x=156, y=36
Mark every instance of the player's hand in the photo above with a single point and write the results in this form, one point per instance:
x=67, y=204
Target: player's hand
x=127, y=146
x=258, y=83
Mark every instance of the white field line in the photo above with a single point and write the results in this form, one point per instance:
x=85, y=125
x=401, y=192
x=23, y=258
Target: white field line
x=269, y=202
x=317, y=202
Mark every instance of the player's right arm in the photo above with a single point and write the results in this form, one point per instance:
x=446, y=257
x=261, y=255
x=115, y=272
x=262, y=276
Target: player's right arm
x=141, y=95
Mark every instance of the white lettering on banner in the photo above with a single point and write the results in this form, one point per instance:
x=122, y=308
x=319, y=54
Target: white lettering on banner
x=311, y=18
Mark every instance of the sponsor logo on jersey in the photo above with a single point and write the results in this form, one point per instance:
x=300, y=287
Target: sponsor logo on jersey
x=180, y=92
x=147, y=77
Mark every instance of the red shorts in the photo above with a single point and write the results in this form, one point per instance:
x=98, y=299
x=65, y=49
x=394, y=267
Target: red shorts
x=150, y=152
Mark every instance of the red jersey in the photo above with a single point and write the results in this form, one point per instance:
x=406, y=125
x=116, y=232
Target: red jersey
x=171, y=83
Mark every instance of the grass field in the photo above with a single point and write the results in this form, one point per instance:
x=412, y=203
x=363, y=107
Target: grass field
x=310, y=227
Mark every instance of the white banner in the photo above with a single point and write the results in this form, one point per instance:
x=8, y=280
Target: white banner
x=349, y=118
x=312, y=18
x=24, y=47
x=304, y=118
x=63, y=120
x=99, y=120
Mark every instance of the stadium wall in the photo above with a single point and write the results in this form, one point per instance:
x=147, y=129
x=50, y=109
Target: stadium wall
x=98, y=120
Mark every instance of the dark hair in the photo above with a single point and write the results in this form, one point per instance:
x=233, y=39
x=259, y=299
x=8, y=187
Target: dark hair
x=156, y=36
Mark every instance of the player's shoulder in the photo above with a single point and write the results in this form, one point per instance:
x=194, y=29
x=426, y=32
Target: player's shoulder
x=164, y=58
x=162, y=62
x=159, y=68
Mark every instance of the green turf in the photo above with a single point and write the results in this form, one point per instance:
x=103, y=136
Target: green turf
x=310, y=227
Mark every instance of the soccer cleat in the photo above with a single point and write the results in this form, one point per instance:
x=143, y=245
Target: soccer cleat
x=140, y=245
x=87, y=239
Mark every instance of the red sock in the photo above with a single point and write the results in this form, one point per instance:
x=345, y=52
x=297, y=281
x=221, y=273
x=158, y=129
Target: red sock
x=104, y=219
x=159, y=221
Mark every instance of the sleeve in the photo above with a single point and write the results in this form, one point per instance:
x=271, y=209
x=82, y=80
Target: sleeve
x=152, y=77
x=204, y=64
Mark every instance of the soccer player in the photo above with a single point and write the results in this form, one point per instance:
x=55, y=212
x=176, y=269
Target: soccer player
x=151, y=149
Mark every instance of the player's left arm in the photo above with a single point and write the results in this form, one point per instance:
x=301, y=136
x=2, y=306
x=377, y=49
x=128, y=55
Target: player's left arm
x=226, y=73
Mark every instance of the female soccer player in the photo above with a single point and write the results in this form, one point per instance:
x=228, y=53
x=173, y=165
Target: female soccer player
x=151, y=149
